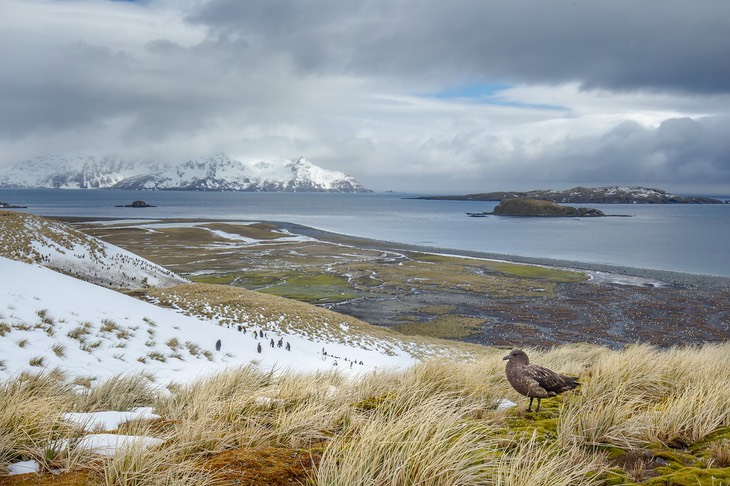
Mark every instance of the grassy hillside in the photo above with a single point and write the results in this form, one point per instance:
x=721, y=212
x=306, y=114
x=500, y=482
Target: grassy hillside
x=642, y=416
x=232, y=305
x=33, y=239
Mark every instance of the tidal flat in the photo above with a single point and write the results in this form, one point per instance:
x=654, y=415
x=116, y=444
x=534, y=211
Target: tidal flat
x=477, y=298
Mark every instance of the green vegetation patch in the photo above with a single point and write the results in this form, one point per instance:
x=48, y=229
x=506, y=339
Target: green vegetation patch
x=439, y=310
x=315, y=288
x=506, y=268
x=690, y=476
x=214, y=278
x=260, y=279
x=445, y=327
x=538, y=272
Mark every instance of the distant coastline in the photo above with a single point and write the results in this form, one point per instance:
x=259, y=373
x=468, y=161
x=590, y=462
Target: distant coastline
x=586, y=195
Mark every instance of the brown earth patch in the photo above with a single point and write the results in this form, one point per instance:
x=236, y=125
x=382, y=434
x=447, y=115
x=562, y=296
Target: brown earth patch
x=74, y=478
x=267, y=466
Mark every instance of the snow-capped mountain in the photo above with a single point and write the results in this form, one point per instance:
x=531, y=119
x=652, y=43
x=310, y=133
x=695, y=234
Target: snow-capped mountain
x=215, y=173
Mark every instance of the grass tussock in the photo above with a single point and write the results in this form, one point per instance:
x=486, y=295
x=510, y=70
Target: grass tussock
x=123, y=392
x=644, y=395
x=642, y=416
x=59, y=350
x=431, y=443
x=535, y=463
x=30, y=417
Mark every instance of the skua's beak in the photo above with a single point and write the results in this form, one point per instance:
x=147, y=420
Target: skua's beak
x=506, y=357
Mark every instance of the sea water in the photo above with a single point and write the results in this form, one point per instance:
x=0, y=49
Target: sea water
x=673, y=237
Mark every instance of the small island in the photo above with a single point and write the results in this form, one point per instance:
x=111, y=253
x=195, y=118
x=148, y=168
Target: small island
x=4, y=205
x=135, y=204
x=542, y=208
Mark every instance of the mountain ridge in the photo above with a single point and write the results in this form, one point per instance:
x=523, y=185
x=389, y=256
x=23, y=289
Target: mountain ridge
x=588, y=195
x=217, y=172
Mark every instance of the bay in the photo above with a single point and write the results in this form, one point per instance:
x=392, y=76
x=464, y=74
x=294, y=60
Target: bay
x=680, y=238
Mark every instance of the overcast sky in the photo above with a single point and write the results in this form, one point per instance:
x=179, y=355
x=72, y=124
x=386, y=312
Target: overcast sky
x=410, y=95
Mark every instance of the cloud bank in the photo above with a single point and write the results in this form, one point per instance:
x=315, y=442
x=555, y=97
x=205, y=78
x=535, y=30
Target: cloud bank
x=409, y=95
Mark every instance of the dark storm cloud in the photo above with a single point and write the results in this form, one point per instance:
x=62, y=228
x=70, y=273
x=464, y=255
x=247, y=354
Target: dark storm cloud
x=671, y=45
x=680, y=149
x=155, y=91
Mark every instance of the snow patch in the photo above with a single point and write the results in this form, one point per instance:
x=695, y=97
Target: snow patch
x=504, y=404
x=109, y=444
x=108, y=420
x=23, y=467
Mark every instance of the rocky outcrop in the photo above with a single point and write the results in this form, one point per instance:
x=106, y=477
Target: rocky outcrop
x=536, y=207
x=135, y=204
x=4, y=205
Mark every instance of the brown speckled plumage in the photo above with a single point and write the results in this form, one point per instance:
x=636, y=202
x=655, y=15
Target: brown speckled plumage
x=534, y=381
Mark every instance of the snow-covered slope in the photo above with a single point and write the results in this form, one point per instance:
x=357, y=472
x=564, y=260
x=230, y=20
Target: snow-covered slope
x=215, y=173
x=49, y=320
x=30, y=238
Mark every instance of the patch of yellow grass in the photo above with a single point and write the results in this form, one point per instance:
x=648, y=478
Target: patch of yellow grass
x=645, y=395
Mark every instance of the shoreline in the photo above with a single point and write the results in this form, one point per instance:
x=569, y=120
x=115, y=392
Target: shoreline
x=676, y=279
x=673, y=278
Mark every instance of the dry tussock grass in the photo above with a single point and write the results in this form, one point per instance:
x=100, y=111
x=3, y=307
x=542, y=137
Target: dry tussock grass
x=426, y=442
x=644, y=395
x=30, y=417
x=432, y=424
